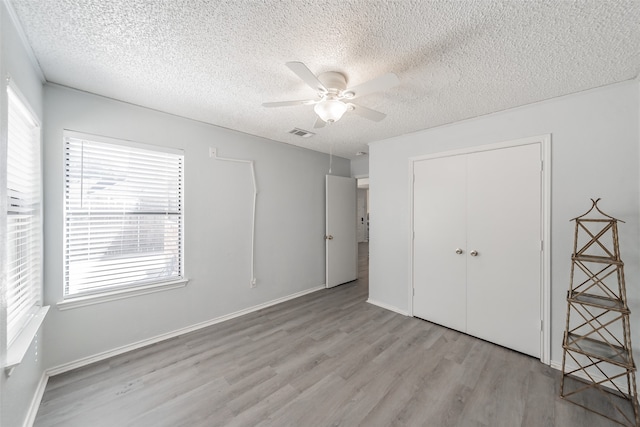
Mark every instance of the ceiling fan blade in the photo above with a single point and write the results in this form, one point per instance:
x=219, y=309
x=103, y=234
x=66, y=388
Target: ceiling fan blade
x=378, y=84
x=307, y=76
x=288, y=103
x=319, y=123
x=367, y=113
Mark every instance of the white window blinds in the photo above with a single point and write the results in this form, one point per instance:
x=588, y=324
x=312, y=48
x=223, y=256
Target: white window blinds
x=123, y=216
x=24, y=223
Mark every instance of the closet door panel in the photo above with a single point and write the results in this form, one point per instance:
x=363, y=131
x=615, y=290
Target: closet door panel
x=440, y=228
x=504, y=227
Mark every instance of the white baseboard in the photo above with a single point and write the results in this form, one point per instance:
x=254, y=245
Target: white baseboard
x=35, y=401
x=388, y=307
x=134, y=346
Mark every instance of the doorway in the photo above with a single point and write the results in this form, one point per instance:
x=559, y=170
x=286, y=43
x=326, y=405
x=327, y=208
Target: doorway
x=362, y=210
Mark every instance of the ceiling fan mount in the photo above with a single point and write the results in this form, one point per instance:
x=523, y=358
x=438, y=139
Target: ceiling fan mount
x=333, y=81
x=334, y=96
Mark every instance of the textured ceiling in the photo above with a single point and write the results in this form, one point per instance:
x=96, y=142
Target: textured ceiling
x=218, y=61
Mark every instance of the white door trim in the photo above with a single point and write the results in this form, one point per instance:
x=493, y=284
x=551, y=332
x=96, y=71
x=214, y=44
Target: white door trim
x=545, y=294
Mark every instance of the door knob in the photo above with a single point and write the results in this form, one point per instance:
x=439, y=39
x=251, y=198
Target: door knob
x=329, y=237
x=458, y=251
x=473, y=253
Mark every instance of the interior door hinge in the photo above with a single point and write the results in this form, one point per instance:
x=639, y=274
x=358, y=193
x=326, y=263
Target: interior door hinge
x=541, y=245
x=414, y=292
x=541, y=325
x=541, y=165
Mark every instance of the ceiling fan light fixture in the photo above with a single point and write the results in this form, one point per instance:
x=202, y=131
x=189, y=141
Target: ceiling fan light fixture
x=330, y=110
x=334, y=97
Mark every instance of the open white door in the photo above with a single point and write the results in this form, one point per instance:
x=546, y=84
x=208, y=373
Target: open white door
x=340, y=236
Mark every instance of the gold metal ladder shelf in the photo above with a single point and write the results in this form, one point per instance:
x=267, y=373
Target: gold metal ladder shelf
x=598, y=371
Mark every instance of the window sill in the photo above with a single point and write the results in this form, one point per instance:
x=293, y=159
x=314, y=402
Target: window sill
x=18, y=348
x=83, y=301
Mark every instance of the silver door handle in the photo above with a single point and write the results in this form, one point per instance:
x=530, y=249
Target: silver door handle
x=329, y=237
x=473, y=253
x=459, y=251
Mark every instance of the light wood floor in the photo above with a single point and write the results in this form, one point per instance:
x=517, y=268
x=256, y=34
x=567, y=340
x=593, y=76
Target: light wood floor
x=325, y=359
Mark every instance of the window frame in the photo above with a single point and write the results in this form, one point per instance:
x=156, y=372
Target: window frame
x=110, y=293
x=19, y=340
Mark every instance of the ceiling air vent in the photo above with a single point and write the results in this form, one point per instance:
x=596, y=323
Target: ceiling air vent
x=301, y=132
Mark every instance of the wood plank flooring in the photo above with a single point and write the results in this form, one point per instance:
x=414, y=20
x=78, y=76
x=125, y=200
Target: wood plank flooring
x=325, y=359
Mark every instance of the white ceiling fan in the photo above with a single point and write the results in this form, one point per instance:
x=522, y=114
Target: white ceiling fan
x=334, y=96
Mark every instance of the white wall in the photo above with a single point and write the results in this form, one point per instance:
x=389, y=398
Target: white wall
x=360, y=167
x=18, y=390
x=595, y=153
x=290, y=252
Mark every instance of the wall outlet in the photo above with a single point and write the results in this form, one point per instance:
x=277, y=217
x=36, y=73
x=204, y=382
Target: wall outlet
x=254, y=283
x=212, y=152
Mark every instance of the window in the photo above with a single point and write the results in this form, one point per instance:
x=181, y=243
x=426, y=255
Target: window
x=24, y=220
x=123, y=215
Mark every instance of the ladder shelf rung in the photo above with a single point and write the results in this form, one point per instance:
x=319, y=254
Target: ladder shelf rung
x=606, y=303
x=607, y=352
x=595, y=258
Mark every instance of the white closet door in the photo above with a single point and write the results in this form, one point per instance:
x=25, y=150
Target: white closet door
x=439, y=225
x=504, y=227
